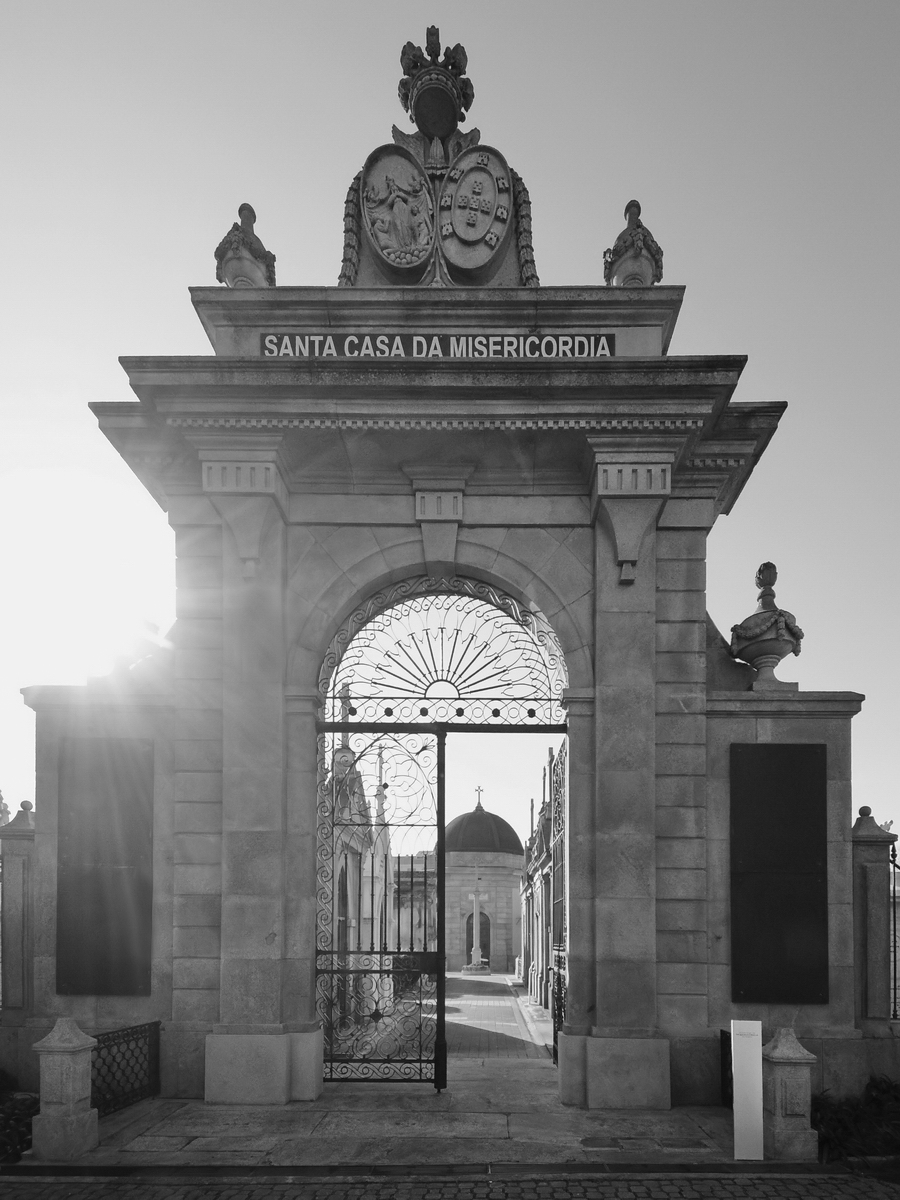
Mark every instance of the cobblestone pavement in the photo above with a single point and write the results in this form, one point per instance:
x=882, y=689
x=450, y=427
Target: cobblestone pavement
x=656, y=1186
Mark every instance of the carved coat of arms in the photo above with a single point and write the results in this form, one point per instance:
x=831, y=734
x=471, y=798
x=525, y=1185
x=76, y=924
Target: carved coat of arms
x=463, y=225
x=475, y=208
x=398, y=208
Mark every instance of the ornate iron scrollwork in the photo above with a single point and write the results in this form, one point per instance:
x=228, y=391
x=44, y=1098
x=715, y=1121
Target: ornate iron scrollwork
x=377, y=963
x=453, y=651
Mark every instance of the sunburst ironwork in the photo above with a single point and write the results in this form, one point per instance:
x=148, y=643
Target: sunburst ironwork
x=448, y=651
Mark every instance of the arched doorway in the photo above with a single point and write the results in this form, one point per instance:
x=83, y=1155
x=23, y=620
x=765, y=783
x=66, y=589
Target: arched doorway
x=410, y=665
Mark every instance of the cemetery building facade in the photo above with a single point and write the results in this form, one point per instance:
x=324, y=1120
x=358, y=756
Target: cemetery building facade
x=441, y=496
x=485, y=856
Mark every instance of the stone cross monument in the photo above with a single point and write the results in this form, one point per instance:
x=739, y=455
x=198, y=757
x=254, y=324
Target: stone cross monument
x=477, y=964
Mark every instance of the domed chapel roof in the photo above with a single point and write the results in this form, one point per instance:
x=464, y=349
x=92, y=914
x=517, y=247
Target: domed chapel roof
x=481, y=832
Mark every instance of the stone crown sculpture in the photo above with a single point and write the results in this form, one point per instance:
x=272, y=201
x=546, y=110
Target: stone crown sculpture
x=635, y=260
x=768, y=635
x=436, y=95
x=241, y=258
x=437, y=208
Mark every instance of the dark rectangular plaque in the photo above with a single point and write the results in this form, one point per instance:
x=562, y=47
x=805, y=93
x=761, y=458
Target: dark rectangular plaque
x=779, y=878
x=104, y=896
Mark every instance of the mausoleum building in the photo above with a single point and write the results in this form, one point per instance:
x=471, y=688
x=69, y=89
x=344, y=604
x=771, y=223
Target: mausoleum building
x=484, y=855
x=441, y=496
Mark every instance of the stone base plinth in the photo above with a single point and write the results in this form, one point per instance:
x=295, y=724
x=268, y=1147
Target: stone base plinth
x=64, y=1136
x=263, y=1068
x=614, y=1072
x=248, y=1068
x=571, y=1064
x=790, y=1145
x=476, y=969
x=307, y=1072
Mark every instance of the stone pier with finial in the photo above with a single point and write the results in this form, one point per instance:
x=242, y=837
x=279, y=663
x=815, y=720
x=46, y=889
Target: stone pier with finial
x=777, y=811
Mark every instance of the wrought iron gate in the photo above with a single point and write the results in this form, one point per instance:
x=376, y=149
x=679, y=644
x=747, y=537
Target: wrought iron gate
x=559, y=930
x=414, y=662
x=380, y=936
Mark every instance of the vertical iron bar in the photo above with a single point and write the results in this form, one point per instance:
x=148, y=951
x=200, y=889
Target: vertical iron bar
x=399, y=869
x=411, y=891
x=440, y=1046
x=425, y=900
x=384, y=906
x=372, y=901
x=359, y=871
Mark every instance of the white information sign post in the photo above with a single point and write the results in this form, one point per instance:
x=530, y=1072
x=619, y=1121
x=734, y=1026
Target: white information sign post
x=746, y=1069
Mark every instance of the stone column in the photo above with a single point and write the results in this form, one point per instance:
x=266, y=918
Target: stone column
x=248, y=1054
x=787, y=1067
x=579, y=836
x=684, y=858
x=477, y=965
x=66, y=1126
x=627, y=1064
x=300, y=864
x=196, y=742
x=872, y=923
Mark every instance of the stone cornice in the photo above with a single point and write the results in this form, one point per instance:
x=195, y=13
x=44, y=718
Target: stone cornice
x=634, y=427
x=558, y=389
x=88, y=695
x=324, y=408
x=790, y=705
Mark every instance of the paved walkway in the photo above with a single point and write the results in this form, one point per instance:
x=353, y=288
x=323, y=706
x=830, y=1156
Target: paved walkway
x=485, y=1019
x=498, y=1132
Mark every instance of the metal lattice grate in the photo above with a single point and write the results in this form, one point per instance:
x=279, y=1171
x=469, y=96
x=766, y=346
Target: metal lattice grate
x=125, y=1067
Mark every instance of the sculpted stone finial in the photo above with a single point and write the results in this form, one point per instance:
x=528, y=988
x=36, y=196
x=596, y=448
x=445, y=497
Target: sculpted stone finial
x=636, y=258
x=436, y=94
x=241, y=258
x=768, y=635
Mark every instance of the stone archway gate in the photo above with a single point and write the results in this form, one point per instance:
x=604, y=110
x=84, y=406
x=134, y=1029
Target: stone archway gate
x=297, y=482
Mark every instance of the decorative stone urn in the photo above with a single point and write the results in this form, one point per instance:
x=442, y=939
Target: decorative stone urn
x=242, y=261
x=636, y=258
x=767, y=636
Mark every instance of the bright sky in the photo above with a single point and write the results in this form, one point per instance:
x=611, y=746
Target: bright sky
x=759, y=138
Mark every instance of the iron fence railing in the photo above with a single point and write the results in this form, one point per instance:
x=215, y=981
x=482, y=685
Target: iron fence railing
x=560, y=988
x=124, y=1070
x=125, y=1067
